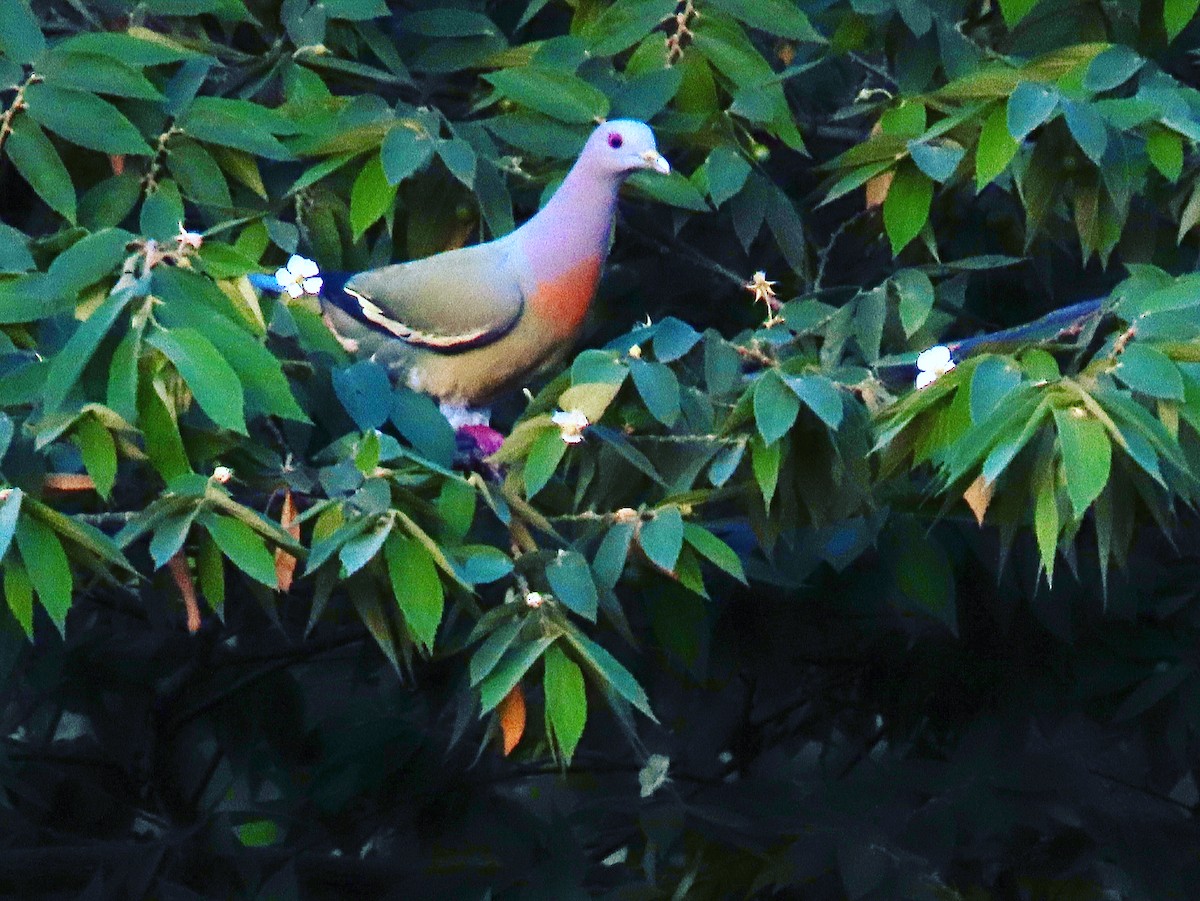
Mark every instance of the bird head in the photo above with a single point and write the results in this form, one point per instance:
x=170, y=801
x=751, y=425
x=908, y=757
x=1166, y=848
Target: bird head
x=621, y=147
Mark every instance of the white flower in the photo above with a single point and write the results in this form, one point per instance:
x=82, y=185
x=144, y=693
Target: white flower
x=222, y=474
x=571, y=423
x=933, y=363
x=188, y=239
x=300, y=277
x=535, y=599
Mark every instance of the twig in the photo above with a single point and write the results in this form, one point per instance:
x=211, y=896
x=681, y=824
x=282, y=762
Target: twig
x=15, y=107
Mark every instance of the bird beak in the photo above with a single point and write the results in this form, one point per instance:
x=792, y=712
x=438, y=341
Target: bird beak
x=655, y=160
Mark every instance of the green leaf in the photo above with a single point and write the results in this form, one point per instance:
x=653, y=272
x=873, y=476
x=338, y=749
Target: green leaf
x=714, y=550
x=775, y=406
x=777, y=17
x=609, y=562
x=84, y=119
x=422, y=424
x=460, y=159
x=97, y=73
x=213, y=382
x=243, y=547
x=673, y=338
x=1030, y=105
x=257, y=833
x=906, y=208
x=558, y=94
x=543, y=459
x=993, y=380
x=485, y=658
x=937, y=160
x=238, y=124
x=996, y=147
x=448, y=23
x=727, y=171
x=1112, y=68
x=169, y=536
x=199, y=176
x=20, y=38
x=1177, y=14
x=365, y=392
x=566, y=701
x=482, y=563
x=661, y=537
x=1087, y=128
x=34, y=156
x=916, y=298
x=1150, y=372
x=99, y=453
x=18, y=592
x=405, y=150
x=10, y=512
x=1165, y=149
x=417, y=587
x=609, y=671
x=362, y=548
x=371, y=198
x=68, y=364
x=1015, y=10
x=659, y=389
x=1045, y=513
x=14, y=251
x=571, y=581
x=765, y=460
x=48, y=568
x=1086, y=456
x=821, y=396
x=508, y=672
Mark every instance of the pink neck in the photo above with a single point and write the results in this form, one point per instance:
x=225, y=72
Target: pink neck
x=575, y=225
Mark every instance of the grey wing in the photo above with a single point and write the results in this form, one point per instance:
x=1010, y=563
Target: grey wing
x=449, y=302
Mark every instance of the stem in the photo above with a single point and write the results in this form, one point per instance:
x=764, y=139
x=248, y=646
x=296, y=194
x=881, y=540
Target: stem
x=17, y=105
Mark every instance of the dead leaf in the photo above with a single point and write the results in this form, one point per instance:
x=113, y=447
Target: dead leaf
x=512, y=717
x=978, y=496
x=877, y=187
x=68, y=481
x=183, y=580
x=285, y=563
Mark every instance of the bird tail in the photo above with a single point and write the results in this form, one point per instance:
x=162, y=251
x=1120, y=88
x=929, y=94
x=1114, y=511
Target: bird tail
x=264, y=282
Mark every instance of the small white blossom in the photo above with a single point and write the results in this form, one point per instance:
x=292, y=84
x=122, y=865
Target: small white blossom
x=222, y=474
x=571, y=423
x=301, y=276
x=933, y=363
x=534, y=599
x=188, y=239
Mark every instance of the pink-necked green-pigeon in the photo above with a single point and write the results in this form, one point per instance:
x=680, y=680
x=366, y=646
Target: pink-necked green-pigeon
x=469, y=324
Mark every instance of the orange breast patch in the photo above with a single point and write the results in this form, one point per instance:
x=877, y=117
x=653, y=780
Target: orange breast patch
x=563, y=302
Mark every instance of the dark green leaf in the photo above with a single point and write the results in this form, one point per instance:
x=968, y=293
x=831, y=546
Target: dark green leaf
x=417, y=587
x=661, y=537
x=571, y=581
x=213, y=382
x=566, y=701
x=243, y=547
x=84, y=119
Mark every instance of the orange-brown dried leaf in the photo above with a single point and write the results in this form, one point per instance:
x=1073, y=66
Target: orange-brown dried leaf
x=512, y=718
x=68, y=481
x=182, y=575
x=878, y=187
x=285, y=563
x=978, y=496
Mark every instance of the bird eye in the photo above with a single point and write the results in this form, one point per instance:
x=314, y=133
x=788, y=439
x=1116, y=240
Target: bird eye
x=615, y=140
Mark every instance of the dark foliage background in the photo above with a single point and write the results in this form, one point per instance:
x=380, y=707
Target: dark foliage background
x=781, y=626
